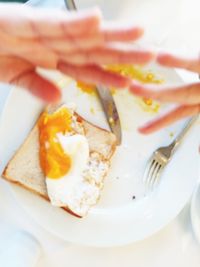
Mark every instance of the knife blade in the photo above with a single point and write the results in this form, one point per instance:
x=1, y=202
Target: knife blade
x=105, y=97
x=110, y=111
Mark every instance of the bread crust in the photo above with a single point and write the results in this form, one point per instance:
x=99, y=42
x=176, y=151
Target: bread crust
x=87, y=125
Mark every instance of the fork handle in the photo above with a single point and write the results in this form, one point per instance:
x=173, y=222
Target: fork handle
x=182, y=134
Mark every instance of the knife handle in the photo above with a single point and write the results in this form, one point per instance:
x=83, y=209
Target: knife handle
x=70, y=4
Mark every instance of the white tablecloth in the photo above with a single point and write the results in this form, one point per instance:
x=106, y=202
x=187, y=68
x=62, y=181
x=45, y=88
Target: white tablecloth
x=173, y=246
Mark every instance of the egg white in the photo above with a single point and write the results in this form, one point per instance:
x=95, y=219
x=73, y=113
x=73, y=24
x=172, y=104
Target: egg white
x=72, y=190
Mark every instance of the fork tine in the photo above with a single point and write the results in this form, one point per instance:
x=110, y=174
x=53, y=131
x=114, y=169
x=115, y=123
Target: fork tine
x=157, y=179
x=148, y=171
x=155, y=176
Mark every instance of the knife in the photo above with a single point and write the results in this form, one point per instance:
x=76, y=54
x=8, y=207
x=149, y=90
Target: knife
x=105, y=97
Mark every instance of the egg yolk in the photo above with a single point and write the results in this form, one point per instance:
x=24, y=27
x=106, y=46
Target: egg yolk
x=54, y=162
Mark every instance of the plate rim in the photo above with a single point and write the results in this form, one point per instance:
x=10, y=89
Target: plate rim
x=193, y=209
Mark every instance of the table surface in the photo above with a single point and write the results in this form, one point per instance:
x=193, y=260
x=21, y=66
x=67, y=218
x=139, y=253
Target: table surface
x=175, y=245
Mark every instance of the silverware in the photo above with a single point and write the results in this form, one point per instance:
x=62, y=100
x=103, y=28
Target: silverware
x=161, y=157
x=105, y=97
x=70, y=4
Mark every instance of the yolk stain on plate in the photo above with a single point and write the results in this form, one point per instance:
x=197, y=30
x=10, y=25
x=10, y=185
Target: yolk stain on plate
x=54, y=162
x=132, y=72
x=86, y=87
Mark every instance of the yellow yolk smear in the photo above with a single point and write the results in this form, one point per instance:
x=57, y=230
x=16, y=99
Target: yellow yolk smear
x=86, y=87
x=135, y=73
x=132, y=72
x=54, y=162
x=142, y=76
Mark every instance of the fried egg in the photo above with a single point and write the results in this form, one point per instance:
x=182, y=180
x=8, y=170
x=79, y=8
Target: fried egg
x=64, y=158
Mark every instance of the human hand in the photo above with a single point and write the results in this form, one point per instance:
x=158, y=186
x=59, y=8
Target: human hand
x=187, y=96
x=76, y=43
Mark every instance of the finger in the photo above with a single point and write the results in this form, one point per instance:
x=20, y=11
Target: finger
x=56, y=23
x=109, y=55
x=14, y=44
x=31, y=22
x=70, y=44
x=12, y=67
x=112, y=33
x=31, y=50
x=47, y=59
x=94, y=75
x=38, y=86
x=186, y=94
x=21, y=73
x=169, y=118
x=94, y=40
x=34, y=51
x=178, y=62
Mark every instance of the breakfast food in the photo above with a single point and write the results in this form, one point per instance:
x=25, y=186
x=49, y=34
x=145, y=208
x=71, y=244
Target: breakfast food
x=64, y=159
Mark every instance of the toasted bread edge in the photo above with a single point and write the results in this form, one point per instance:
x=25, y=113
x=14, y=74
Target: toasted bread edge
x=11, y=180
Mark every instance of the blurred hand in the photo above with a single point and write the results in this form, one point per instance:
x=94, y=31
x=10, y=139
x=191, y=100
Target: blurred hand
x=187, y=96
x=76, y=43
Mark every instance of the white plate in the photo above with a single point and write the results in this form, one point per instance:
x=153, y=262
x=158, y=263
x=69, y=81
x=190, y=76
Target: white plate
x=117, y=219
x=195, y=212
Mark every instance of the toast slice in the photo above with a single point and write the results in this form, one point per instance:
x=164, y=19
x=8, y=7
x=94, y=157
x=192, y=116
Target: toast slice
x=24, y=168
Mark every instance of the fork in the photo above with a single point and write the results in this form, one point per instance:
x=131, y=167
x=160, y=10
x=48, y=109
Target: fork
x=161, y=157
